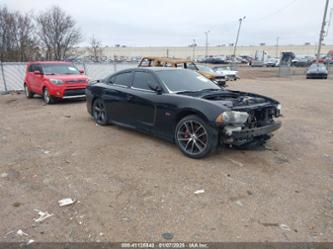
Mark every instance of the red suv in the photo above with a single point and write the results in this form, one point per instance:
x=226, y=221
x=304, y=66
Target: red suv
x=54, y=80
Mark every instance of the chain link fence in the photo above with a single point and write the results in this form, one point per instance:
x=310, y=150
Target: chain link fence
x=12, y=73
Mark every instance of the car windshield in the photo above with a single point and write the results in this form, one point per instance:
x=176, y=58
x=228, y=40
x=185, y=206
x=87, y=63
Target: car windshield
x=59, y=69
x=185, y=80
x=321, y=66
x=205, y=69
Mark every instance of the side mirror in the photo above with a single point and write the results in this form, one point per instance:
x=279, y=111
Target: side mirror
x=37, y=72
x=81, y=71
x=156, y=88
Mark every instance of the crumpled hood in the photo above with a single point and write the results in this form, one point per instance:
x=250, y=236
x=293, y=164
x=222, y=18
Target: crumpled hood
x=236, y=99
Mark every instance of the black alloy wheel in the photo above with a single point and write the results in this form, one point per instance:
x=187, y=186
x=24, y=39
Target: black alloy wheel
x=194, y=137
x=99, y=112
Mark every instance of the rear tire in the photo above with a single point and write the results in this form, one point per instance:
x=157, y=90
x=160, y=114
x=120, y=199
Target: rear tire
x=28, y=93
x=99, y=112
x=195, y=138
x=46, y=97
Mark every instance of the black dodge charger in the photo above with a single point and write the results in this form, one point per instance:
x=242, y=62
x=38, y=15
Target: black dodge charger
x=184, y=107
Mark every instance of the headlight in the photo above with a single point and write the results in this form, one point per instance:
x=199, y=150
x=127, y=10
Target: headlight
x=279, y=107
x=232, y=117
x=56, y=82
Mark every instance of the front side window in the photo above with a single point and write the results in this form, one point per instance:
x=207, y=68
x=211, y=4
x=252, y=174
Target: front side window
x=142, y=80
x=123, y=79
x=53, y=69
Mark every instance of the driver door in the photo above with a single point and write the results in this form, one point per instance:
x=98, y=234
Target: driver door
x=141, y=100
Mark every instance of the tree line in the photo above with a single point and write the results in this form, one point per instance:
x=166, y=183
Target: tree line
x=49, y=35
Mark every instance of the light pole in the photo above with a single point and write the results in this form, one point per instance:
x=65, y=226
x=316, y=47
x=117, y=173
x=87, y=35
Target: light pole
x=277, y=47
x=206, y=51
x=194, y=45
x=322, y=31
x=236, y=42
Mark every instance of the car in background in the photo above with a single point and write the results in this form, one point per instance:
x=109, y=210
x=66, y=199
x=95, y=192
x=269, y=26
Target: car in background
x=287, y=58
x=54, y=80
x=317, y=71
x=183, y=107
x=226, y=70
x=272, y=62
x=215, y=60
x=302, y=61
x=218, y=78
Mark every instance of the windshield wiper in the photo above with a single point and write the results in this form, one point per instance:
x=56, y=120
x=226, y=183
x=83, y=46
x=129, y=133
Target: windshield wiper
x=50, y=74
x=209, y=89
x=186, y=92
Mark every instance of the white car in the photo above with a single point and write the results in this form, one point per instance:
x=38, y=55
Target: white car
x=230, y=74
x=272, y=62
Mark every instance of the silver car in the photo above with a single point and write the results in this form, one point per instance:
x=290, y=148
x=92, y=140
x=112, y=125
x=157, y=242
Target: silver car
x=317, y=71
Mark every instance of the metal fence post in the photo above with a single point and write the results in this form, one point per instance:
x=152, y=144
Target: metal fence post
x=85, y=68
x=114, y=64
x=3, y=77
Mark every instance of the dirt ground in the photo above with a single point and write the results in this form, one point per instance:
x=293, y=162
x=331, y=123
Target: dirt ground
x=133, y=187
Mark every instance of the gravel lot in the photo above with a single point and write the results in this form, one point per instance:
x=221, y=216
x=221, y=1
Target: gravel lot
x=133, y=187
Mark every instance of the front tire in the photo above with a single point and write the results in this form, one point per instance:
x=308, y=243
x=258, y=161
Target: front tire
x=195, y=138
x=28, y=93
x=46, y=97
x=99, y=112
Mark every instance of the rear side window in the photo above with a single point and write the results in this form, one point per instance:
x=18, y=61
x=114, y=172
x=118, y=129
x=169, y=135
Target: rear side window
x=39, y=68
x=123, y=79
x=142, y=80
x=31, y=68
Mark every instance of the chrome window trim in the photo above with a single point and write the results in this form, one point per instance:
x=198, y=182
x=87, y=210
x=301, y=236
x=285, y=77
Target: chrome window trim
x=141, y=89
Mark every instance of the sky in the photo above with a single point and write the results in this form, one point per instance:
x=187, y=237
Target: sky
x=178, y=22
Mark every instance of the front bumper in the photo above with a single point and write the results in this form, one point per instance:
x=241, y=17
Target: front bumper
x=239, y=137
x=316, y=75
x=68, y=92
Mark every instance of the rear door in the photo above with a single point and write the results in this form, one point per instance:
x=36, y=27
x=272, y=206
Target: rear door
x=116, y=96
x=39, y=79
x=31, y=77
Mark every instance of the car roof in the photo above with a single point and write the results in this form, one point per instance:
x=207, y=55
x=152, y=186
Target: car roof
x=156, y=69
x=167, y=59
x=318, y=65
x=49, y=62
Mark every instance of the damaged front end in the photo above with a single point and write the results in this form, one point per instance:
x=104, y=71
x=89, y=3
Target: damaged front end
x=251, y=118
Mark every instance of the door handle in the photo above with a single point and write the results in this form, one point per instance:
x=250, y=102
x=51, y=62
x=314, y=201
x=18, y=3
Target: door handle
x=129, y=97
